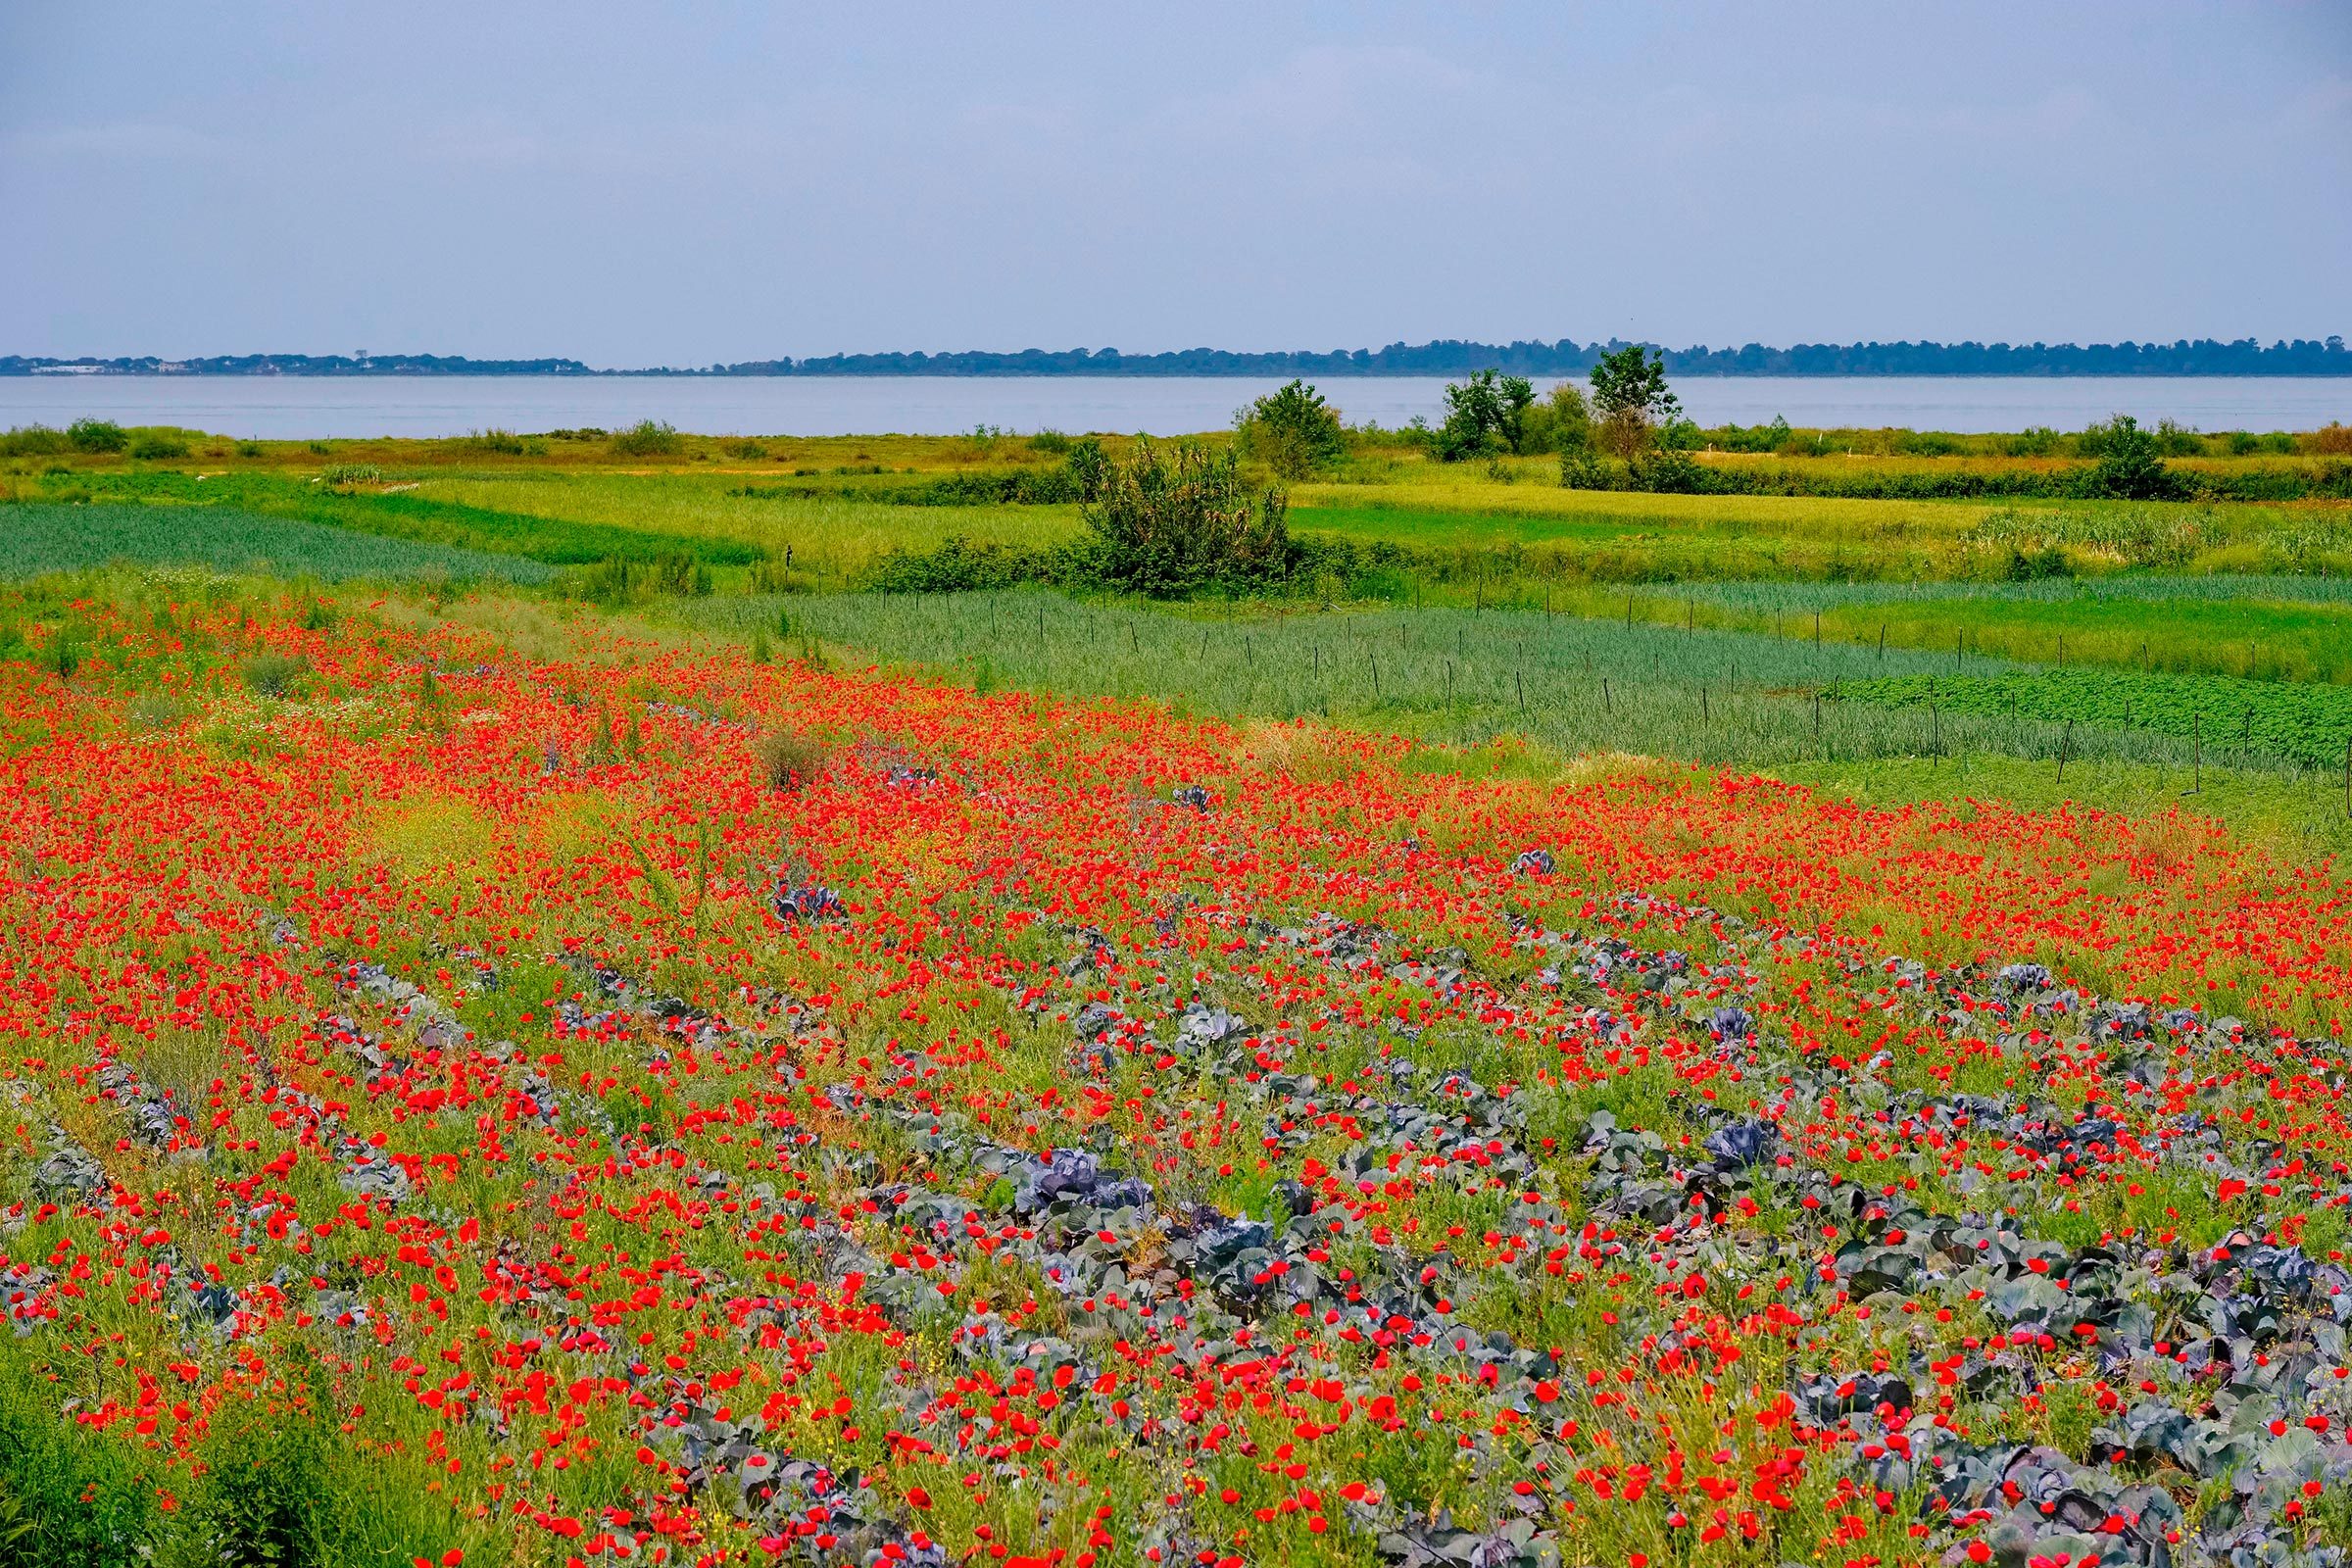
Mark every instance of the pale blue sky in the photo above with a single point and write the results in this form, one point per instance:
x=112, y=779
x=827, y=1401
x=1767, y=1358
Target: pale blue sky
x=653, y=183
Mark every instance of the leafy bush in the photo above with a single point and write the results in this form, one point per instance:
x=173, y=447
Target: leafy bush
x=1679, y=434
x=149, y=444
x=1586, y=469
x=2047, y=563
x=1671, y=470
x=2334, y=438
x=1561, y=422
x=97, y=435
x=1079, y=479
x=1291, y=430
x=33, y=441
x=648, y=438
x=1052, y=443
x=1484, y=417
x=340, y=475
x=495, y=442
x=1172, y=520
x=1755, y=438
x=961, y=566
x=2129, y=466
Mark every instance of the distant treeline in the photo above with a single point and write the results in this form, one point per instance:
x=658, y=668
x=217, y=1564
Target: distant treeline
x=292, y=365
x=1445, y=357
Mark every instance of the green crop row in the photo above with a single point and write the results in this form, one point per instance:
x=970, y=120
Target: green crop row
x=2219, y=715
x=42, y=537
x=362, y=502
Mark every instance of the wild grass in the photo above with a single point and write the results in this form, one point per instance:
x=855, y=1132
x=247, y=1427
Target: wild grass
x=789, y=759
x=78, y=1492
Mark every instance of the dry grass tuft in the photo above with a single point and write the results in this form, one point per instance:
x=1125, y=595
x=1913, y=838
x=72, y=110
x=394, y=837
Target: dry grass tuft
x=789, y=760
x=1303, y=752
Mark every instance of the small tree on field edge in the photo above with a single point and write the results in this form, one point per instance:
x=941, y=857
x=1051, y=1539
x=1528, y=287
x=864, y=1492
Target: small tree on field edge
x=1291, y=430
x=2130, y=467
x=1485, y=416
x=1630, y=395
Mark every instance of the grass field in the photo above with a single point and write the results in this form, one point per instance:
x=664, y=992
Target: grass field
x=1679, y=627
x=566, y=500
x=37, y=538
x=2257, y=626
x=830, y=537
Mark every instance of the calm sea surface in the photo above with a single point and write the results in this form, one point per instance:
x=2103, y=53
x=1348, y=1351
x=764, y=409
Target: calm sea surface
x=296, y=406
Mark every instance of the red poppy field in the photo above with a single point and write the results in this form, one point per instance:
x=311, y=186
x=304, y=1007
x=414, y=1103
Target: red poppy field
x=649, y=1106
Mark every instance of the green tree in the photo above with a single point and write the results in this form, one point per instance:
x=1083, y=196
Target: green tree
x=97, y=435
x=1291, y=430
x=1561, y=422
x=1484, y=415
x=1630, y=395
x=2128, y=466
x=1172, y=520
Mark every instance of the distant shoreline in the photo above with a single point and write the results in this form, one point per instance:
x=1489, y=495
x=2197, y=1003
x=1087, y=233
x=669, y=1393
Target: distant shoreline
x=2180, y=359
x=1150, y=375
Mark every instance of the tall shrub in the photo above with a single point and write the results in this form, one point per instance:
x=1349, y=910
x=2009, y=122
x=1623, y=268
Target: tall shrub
x=647, y=438
x=1485, y=416
x=1170, y=521
x=1291, y=430
x=2128, y=466
x=97, y=435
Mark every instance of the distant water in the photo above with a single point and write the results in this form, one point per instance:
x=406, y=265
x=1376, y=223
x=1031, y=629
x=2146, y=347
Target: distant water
x=297, y=407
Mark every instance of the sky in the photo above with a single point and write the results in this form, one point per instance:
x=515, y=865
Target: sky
x=634, y=185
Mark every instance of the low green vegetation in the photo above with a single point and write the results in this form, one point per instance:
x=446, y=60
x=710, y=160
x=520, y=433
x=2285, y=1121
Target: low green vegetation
x=1291, y=430
x=2126, y=611
x=2310, y=724
x=2266, y=628
x=37, y=538
x=1567, y=686
x=358, y=498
